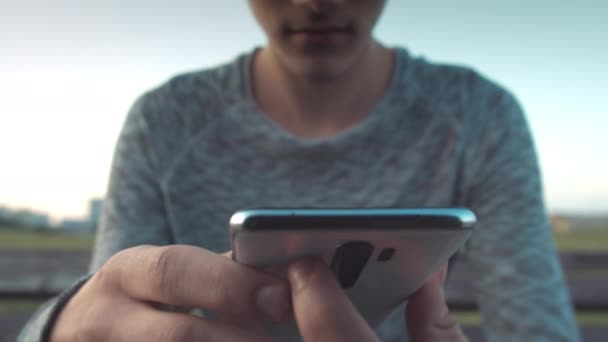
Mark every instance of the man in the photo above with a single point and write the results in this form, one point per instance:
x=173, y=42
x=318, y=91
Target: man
x=323, y=115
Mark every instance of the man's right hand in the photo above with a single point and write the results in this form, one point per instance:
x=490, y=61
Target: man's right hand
x=120, y=302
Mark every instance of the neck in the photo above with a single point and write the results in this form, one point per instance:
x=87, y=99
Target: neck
x=312, y=107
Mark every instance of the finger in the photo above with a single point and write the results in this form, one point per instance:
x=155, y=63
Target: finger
x=427, y=315
x=146, y=324
x=278, y=270
x=193, y=277
x=321, y=308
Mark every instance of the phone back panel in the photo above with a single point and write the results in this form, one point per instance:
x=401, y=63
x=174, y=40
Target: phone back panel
x=422, y=245
x=381, y=285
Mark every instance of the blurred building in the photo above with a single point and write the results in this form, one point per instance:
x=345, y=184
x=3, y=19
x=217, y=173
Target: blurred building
x=79, y=226
x=5, y=215
x=95, y=209
x=87, y=224
x=24, y=218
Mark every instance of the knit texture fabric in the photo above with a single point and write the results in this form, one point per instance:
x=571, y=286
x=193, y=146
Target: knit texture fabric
x=197, y=148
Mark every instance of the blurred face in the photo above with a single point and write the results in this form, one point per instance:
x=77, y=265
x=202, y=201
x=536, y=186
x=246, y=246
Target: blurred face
x=317, y=39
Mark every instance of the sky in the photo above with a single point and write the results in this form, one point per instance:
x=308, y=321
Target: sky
x=70, y=70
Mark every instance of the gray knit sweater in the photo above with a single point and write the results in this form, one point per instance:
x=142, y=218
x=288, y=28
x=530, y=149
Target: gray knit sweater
x=197, y=148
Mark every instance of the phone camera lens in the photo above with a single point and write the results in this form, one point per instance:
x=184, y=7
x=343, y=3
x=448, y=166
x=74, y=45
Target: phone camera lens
x=386, y=254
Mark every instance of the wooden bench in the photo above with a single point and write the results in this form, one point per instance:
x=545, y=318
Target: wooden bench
x=586, y=273
x=42, y=274
x=587, y=278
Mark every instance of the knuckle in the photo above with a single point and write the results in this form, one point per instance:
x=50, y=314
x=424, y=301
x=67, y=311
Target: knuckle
x=163, y=273
x=102, y=279
x=118, y=259
x=220, y=295
x=109, y=274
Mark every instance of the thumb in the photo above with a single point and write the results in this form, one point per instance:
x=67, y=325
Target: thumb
x=322, y=310
x=427, y=315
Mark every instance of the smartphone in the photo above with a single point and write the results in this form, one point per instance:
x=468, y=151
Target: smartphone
x=380, y=256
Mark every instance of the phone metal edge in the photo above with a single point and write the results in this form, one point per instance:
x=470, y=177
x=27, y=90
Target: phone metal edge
x=466, y=216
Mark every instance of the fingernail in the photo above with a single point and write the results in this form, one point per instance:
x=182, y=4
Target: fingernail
x=274, y=301
x=444, y=274
x=300, y=272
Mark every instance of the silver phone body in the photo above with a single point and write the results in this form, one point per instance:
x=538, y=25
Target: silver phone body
x=423, y=240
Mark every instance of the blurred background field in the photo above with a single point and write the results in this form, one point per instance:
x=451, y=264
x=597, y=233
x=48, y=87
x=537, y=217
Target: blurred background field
x=15, y=238
x=579, y=239
x=592, y=240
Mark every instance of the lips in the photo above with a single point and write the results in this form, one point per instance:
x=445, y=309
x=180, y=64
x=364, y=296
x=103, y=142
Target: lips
x=326, y=36
x=321, y=30
x=316, y=37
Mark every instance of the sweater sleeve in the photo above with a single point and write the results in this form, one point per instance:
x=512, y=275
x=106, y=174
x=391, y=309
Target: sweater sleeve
x=133, y=213
x=518, y=277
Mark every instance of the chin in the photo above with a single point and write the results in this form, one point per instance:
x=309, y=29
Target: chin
x=323, y=71
x=319, y=64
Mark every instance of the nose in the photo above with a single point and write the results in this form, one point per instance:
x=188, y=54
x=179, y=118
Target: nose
x=317, y=5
